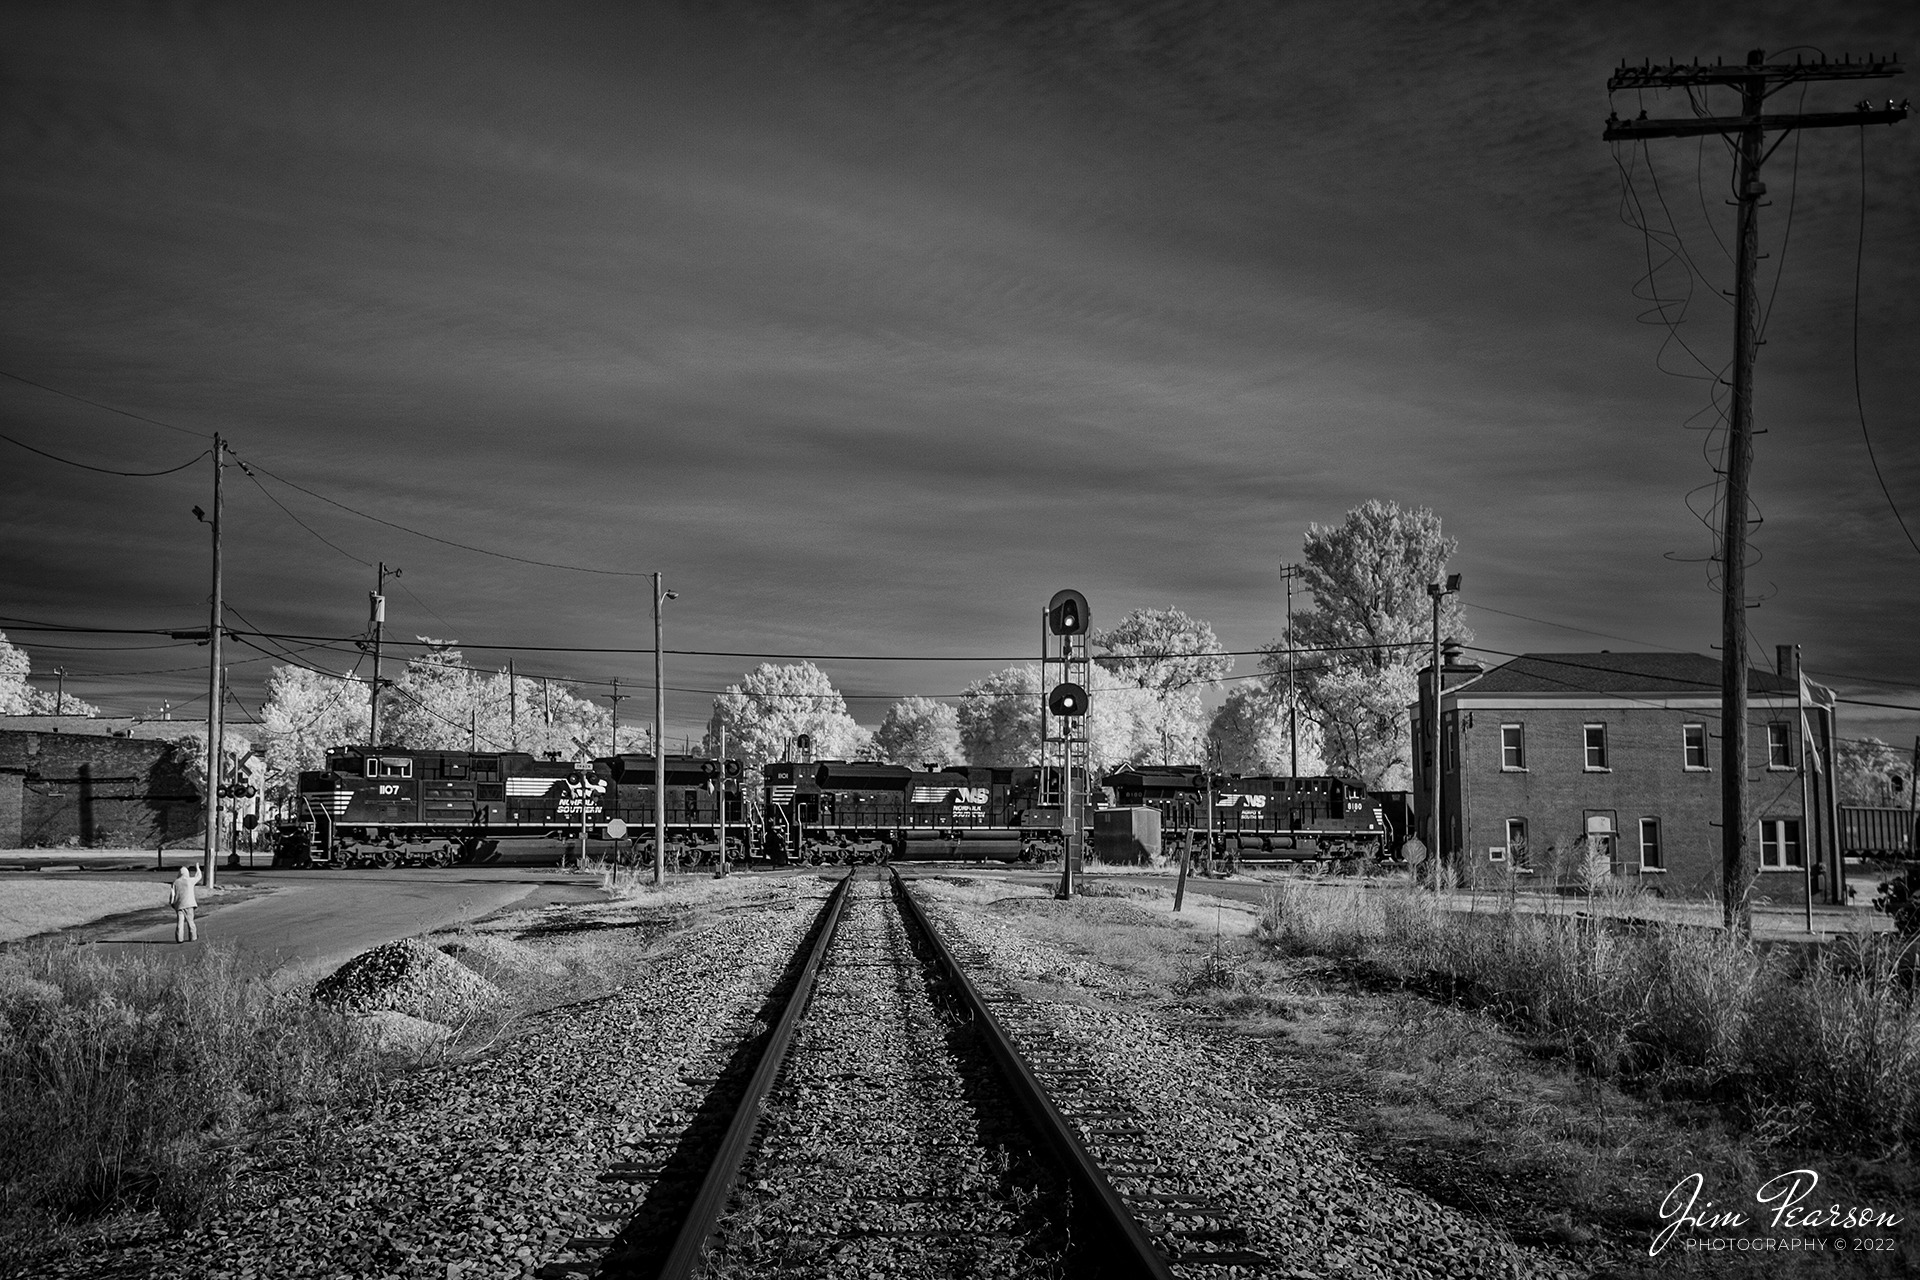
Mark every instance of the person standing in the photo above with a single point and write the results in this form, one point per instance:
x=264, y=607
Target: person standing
x=184, y=901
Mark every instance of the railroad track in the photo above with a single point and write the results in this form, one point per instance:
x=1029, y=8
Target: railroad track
x=882, y=1121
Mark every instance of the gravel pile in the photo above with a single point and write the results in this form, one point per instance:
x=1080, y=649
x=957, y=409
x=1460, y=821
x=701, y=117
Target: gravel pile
x=491, y=953
x=410, y=977
x=1232, y=1162
x=511, y=1165
x=889, y=1147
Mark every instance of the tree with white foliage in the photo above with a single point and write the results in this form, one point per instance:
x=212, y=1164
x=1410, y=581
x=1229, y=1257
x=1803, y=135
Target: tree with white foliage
x=1250, y=730
x=919, y=731
x=306, y=713
x=773, y=705
x=1362, y=645
x=1171, y=659
x=1000, y=719
x=18, y=698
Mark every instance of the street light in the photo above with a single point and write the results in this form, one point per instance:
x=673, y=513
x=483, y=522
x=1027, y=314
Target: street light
x=1438, y=592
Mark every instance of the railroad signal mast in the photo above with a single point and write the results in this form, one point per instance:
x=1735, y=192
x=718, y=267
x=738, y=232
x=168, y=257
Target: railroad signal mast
x=1066, y=754
x=1755, y=81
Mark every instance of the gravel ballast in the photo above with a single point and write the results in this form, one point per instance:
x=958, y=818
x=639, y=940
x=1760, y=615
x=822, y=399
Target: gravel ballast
x=492, y=1167
x=889, y=1146
x=1218, y=1146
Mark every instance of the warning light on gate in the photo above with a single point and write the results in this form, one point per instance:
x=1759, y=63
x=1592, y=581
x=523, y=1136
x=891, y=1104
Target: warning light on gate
x=1067, y=700
x=1067, y=613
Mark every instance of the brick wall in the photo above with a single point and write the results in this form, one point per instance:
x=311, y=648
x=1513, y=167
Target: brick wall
x=91, y=790
x=1646, y=777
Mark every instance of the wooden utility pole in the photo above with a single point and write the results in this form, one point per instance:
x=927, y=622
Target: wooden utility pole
x=722, y=787
x=1754, y=81
x=377, y=615
x=616, y=698
x=214, y=680
x=513, y=709
x=1290, y=572
x=1809, y=826
x=659, y=739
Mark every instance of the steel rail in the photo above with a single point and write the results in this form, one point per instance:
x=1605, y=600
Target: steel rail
x=689, y=1247
x=1130, y=1252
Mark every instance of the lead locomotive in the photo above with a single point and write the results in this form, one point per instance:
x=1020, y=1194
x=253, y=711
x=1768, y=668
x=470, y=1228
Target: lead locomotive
x=385, y=806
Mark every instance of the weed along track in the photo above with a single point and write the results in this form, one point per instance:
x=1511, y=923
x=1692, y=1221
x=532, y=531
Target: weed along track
x=884, y=1126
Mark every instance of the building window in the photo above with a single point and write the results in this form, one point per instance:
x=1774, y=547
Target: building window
x=1516, y=850
x=1596, y=746
x=1650, y=845
x=1513, y=746
x=1780, y=842
x=1779, y=746
x=1696, y=748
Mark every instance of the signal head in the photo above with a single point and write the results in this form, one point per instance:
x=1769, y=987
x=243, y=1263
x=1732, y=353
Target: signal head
x=1067, y=613
x=1067, y=701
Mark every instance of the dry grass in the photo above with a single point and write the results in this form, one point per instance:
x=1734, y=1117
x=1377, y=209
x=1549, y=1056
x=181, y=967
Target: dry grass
x=121, y=1082
x=33, y=905
x=1830, y=1050
x=1534, y=1072
x=132, y=1086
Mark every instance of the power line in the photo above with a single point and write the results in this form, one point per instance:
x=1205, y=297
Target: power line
x=1859, y=253
x=105, y=471
x=449, y=542
x=185, y=431
x=248, y=472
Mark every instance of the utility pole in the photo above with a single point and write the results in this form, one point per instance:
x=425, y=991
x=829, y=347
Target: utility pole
x=1290, y=572
x=616, y=698
x=59, y=691
x=1437, y=853
x=513, y=709
x=1808, y=826
x=377, y=614
x=1754, y=82
x=660, y=597
x=722, y=780
x=215, y=693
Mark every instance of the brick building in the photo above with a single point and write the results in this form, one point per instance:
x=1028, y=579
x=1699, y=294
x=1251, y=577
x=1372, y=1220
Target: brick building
x=1556, y=767
x=94, y=781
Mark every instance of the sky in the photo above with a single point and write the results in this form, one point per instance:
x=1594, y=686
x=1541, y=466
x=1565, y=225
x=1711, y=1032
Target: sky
x=871, y=326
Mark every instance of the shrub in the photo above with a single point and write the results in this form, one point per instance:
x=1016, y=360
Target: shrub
x=1693, y=1010
x=1900, y=898
x=113, y=1073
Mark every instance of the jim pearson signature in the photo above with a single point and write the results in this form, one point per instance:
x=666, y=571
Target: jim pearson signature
x=1784, y=1195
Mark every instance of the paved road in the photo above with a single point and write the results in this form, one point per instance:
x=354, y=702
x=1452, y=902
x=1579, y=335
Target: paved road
x=318, y=919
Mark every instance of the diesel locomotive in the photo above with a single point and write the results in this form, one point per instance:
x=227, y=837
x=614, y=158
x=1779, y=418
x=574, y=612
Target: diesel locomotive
x=836, y=811
x=386, y=806
x=1264, y=817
